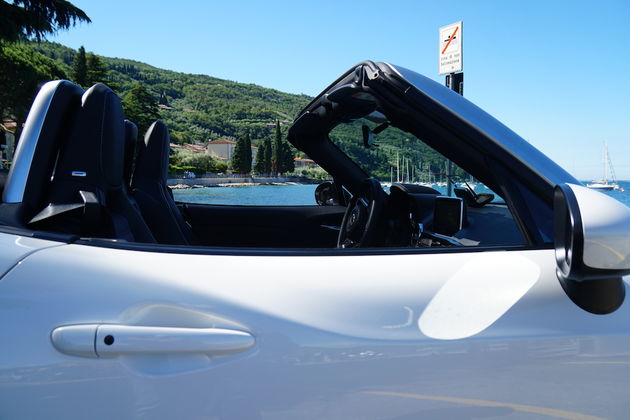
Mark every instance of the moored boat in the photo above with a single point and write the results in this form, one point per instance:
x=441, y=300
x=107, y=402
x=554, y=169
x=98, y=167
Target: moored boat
x=604, y=184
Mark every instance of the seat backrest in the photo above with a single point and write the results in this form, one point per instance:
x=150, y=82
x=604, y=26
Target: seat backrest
x=48, y=122
x=87, y=195
x=149, y=188
x=131, y=147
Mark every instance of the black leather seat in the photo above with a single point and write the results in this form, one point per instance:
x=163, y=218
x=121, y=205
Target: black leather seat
x=149, y=188
x=88, y=195
x=28, y=181
x=131, y=147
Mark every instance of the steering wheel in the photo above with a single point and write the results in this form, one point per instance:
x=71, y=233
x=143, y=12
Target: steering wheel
x=362, y=220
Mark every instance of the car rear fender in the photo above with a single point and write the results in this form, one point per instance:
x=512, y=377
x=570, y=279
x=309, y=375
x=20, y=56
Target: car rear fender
x=14, y=248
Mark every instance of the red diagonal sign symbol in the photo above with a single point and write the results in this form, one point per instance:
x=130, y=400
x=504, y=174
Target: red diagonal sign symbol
x=450, y=39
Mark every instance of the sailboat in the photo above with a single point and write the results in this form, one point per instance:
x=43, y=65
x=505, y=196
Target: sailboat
x=604, y=184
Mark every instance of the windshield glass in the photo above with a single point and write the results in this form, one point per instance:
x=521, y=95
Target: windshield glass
x=400, y=157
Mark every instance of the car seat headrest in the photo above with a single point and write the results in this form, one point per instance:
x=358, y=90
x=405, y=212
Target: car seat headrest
x=153, y=155
x=92, y=157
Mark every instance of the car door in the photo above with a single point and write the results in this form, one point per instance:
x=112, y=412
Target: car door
x=267, y=216
x=275, y=226
x=98, y=330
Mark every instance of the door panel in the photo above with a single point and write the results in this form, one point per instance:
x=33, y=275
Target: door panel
x=265, y=226
x=334, y=337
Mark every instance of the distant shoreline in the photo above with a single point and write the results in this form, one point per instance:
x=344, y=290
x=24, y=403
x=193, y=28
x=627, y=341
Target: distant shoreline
x=234, y=180
x=234, y=184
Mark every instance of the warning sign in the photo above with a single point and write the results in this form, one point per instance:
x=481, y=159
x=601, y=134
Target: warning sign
x=451, y=48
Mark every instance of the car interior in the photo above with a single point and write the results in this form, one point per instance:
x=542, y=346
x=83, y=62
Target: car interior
x=77, y=175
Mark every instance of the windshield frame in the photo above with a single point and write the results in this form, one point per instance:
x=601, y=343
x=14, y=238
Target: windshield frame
x=445, y=121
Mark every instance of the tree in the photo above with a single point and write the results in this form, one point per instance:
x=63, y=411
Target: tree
x=24, y=70
x=37, y=18
x=163, y=99
x=88, y=70
x=240, y=162
x=287, y=163
x=199, y=163
x=263, y=157
x=96, y=71
x=276, y=155
x=259, y=165
x=79, y=68
x=140, y=107
x=268, y=152
x=282, y=155
x=247, y=153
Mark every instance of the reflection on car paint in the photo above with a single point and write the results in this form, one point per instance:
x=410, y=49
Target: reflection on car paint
x=478, y=294
x=547, y=412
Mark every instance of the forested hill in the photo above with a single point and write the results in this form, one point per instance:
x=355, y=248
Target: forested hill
x=196, y=107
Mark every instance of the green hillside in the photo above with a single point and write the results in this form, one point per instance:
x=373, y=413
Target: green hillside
x=198, y=108
x=203, y=107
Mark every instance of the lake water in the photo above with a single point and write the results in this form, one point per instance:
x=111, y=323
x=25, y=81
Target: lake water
x=261, y=195
x=293, y=195
x=623, y=196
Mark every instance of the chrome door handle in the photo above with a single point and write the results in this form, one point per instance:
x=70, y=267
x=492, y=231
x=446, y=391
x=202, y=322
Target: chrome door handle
x=111, y=340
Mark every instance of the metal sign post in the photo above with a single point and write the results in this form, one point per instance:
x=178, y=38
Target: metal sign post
x=451, y=63
x=455, y=81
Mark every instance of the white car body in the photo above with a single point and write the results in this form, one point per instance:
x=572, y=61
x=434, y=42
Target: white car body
x=440, y=336
x=110, y=330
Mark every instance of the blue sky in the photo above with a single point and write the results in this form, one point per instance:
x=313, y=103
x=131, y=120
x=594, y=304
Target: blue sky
x=553, y=71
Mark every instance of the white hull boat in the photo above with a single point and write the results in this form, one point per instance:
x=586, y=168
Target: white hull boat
x=604, y=184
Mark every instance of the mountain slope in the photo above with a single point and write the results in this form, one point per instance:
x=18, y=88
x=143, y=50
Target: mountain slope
x=198, y=108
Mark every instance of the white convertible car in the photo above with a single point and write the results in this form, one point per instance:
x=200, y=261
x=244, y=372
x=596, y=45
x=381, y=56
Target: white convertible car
x=117, y=302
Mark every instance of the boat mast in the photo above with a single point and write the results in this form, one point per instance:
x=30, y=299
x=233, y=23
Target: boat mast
x=605, y=162
x=609, y=165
